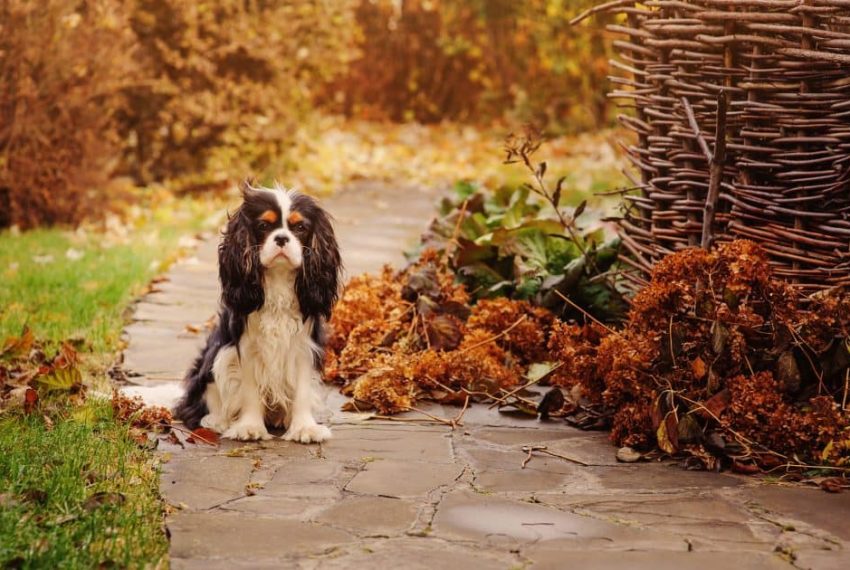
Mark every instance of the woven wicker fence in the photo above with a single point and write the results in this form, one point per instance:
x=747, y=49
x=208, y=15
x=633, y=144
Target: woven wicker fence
x=742, y=117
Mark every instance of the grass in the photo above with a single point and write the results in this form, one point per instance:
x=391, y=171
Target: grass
x=52, y=476
x=76, y=491
x=77, y=284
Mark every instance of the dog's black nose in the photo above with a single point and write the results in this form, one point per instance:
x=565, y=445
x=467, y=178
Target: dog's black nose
x=281, y=240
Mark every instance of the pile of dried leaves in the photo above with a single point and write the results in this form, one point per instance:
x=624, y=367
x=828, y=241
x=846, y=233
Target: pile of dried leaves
x=722, y=362
x=717, y=361
x=401, y=337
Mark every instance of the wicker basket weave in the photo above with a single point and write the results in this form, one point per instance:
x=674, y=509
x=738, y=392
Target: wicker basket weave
x=784, y=67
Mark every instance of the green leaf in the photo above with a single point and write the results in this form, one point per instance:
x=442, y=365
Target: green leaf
x=464, y=189
x=469, y=252
x=528, y=243
x=528, y=288
x=62, y=379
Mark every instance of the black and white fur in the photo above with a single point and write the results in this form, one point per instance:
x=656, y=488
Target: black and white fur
x=279, y=267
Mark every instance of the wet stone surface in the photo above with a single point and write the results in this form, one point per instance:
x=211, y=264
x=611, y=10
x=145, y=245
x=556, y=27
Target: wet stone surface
x=403, y=494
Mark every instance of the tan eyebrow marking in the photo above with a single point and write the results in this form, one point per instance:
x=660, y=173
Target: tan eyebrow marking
x=269, y=216
x=294, y=218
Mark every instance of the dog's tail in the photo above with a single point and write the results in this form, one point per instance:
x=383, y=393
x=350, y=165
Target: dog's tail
x=192, y=407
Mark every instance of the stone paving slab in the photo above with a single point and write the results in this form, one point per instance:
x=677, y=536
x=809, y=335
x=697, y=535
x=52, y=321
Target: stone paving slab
x=387, y=494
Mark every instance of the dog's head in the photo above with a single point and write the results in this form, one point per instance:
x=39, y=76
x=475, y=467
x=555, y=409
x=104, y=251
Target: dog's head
x=279, y=230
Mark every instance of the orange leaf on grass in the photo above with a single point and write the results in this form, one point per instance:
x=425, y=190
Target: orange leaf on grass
x=18, y=346
x=30, y=401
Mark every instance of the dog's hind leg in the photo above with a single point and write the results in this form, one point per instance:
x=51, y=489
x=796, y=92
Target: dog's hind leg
x=219, y=393
x=214, y=420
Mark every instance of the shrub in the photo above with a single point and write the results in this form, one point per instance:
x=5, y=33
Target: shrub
x=430, y=60
x=227, y=82
x=63, y=65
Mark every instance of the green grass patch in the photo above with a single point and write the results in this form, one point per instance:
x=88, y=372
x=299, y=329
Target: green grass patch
x=78, y=494
x=75, y=490
x=76, y=284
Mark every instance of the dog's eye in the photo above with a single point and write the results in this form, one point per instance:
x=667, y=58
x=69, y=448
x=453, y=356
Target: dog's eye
x=297, y=226
x=263, y=226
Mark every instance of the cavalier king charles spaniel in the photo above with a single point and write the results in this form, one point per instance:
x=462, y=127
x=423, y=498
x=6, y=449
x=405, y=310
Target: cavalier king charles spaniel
x=279, y=267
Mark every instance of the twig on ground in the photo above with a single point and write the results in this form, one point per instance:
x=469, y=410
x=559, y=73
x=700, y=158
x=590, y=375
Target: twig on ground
x=530, y=449
x=189, y=433
x=453, y=423
x=523, y=387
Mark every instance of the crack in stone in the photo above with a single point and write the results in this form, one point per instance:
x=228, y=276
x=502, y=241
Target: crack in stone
x=764, y=514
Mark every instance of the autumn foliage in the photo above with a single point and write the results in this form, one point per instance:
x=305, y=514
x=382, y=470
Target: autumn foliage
x=718, y=361
x=197, y=93
x=62, y=75
x=476, y=60
x=191, y=92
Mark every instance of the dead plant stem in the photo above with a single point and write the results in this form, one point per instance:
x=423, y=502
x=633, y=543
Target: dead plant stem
x=495, y=337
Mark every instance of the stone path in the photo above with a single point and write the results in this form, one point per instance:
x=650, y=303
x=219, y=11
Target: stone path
x=402, y=495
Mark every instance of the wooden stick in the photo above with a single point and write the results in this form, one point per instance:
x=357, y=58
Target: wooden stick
x=530, y=449
x=689, y=111
x=599, y=8
x=523, y=387
x=717, y=164
x=189, y=433
x=585, y=313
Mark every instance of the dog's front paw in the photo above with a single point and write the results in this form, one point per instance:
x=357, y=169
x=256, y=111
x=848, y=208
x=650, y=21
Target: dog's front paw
x=308, y=433
x=246, y=432
x=212, y=422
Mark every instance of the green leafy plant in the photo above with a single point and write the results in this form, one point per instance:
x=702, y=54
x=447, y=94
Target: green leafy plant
x=522, y=243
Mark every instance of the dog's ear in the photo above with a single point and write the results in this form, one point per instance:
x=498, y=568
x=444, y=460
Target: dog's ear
x=317, y=283
x=239, y=267
x=247, y=189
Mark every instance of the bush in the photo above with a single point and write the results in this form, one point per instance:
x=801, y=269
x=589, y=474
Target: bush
x=430, y=60
x=227, y=82
x=63, y=66
x=190, y=92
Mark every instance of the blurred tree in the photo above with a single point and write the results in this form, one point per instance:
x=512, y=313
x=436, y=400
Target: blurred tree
x=63, y=67
x=228, y=81
x=430, y=60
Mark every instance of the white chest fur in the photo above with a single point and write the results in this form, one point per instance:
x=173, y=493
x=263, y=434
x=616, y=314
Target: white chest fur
x=276, y=347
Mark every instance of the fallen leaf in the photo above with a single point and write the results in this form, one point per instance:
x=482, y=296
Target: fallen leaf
x=745, y=468
x=553, y=401
x=203, y=435
x=61, y=379
x=714, y=406
x=539, y=370
x=834, y=484
x=103, y=498
x=698, y=368
x=667, y=434
x=30, y=400
x=16, y=347
x=443, y=332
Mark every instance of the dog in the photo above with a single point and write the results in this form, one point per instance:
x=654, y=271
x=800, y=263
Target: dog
x=279, y=266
